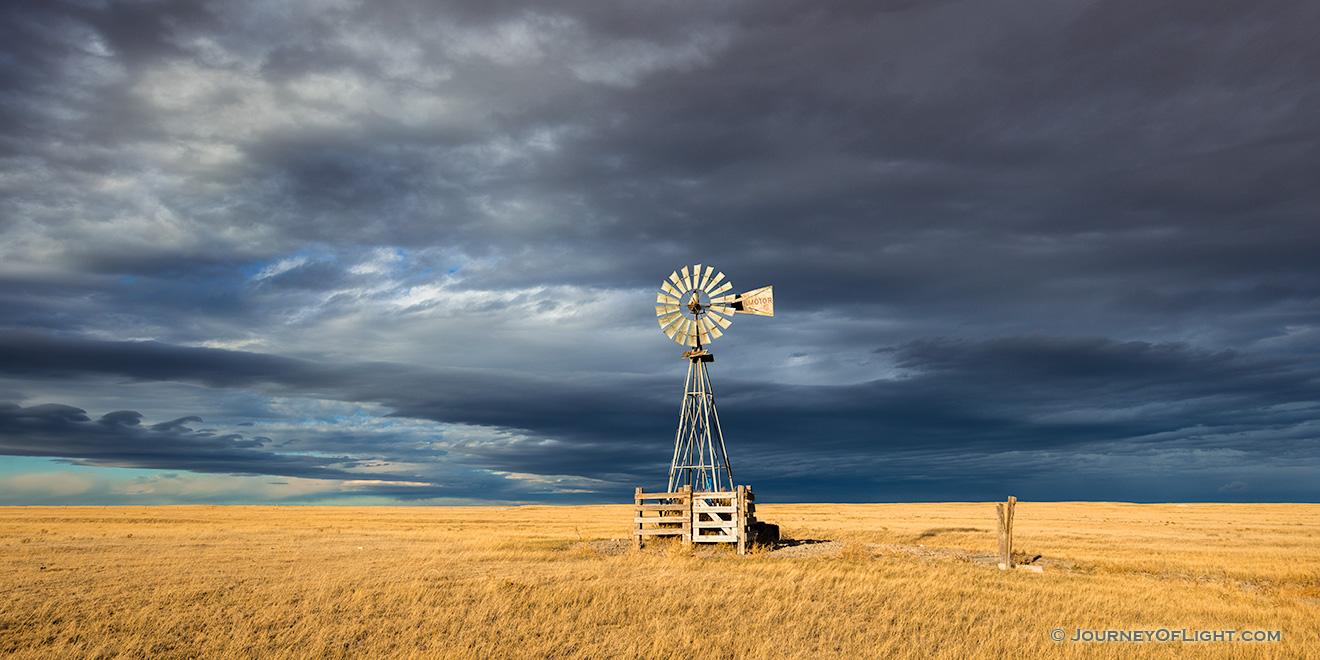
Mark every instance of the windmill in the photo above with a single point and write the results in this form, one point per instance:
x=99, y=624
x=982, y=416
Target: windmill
x=694, y=308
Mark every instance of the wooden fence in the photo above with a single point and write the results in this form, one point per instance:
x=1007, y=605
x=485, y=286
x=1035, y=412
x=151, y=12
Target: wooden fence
x=697, y=517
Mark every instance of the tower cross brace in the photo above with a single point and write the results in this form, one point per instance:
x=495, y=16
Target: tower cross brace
x=700, y=459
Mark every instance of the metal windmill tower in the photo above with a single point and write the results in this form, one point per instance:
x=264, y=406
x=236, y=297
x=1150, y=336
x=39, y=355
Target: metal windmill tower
x=694, y=308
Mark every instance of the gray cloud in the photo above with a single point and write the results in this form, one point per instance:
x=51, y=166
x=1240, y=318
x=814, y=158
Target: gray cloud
x=117, y=440
x=956, y=398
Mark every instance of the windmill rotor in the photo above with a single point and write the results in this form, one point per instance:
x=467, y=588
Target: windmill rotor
x=694, y=307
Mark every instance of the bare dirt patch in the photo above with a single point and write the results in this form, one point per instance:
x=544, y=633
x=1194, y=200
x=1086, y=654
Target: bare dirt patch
x=812, y=548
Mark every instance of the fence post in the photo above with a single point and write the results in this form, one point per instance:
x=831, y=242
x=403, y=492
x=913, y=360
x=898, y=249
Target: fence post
x=637, y=513
x=1005, y=514
x=687, y=517
x=740, y=519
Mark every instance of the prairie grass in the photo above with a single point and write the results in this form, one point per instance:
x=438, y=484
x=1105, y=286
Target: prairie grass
x=523, y=582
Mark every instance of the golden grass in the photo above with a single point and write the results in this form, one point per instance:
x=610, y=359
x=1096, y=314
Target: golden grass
x=323, y=582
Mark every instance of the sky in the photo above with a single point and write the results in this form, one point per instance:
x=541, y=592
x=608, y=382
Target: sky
x=406, y=252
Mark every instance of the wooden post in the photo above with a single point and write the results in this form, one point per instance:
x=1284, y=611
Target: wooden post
x=1005, y=514
x=740, y=519
x=637, y=513
x=687, y=517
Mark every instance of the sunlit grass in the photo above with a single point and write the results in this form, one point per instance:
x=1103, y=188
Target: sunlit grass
x=249, y=582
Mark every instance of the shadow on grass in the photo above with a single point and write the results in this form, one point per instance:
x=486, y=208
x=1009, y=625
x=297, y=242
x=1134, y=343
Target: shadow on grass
x=792, y=543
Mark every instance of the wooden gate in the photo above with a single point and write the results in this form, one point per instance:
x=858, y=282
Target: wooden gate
x=701, y=517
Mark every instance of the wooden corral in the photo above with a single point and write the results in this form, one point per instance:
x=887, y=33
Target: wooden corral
x=698, y=517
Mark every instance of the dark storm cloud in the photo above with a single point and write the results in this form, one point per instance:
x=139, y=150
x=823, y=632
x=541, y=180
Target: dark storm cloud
x=552, y=409
x=960, y=401
x=1038, y=393
x=117, y=439
x=1014, y=165
x=864, y=127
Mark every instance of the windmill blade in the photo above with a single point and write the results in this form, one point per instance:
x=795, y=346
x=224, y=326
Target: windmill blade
x=723, y=287
x=668, y=318
x=705, y=337
x=724, y=300
x=661, y=310
x=671, y=323
x=673, y=329
x=696, y=275
x=710, y=286
x=720, y=320
x=683, y=280
x=685, y=327
x=691, y=337
x=673, y=277
x=719, y=309
x=705, y=277
x=711, y=326
x=670, y=291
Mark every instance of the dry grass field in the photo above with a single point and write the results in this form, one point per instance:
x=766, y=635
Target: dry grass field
x=895, y=581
